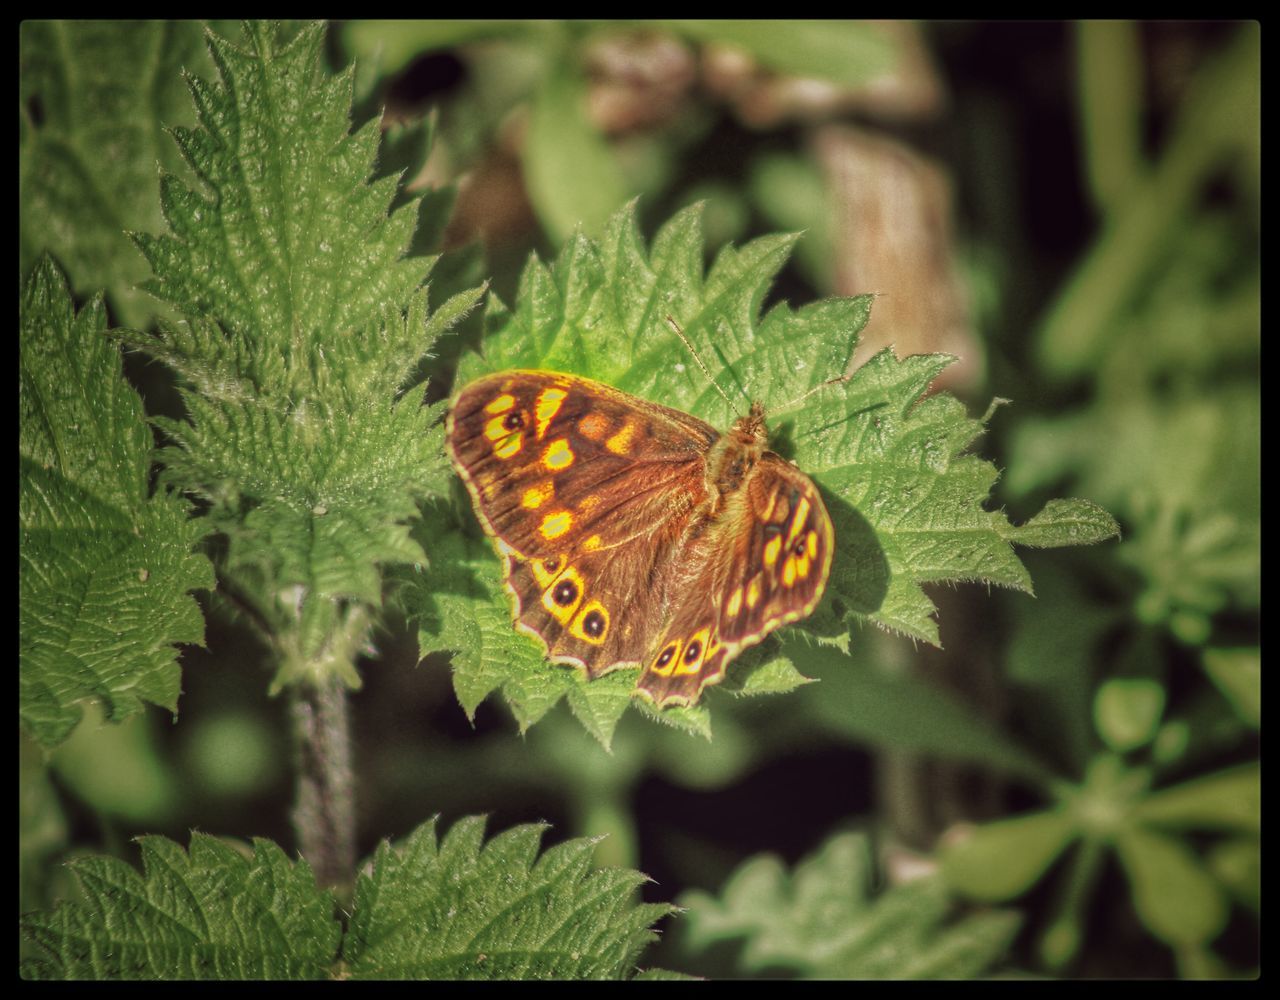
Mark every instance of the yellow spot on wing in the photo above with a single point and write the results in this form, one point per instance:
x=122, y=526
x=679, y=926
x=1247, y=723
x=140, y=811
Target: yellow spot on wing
x=558, y=455
x=620, y=443
x=753, y=591
x=811, y=544
x=771, y=550
x=548, y=406
x=735, y=602
x=591, y=544
x=773, y=502
x=509, y=446
x=535, y=496
x=789, y=571
x=798, y=519
x=502, y=404
x=494, y=429
x=555, y=525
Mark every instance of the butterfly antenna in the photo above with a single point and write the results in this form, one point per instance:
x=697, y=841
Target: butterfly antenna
x=839, y=379
x=671, y=322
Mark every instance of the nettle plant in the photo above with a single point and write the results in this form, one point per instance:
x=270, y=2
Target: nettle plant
x=307, y=476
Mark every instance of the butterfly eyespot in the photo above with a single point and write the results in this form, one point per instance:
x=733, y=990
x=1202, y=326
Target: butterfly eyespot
x=552, y=564
x=591, y=624
x=798, y=549
x=665, y=656
x=513, y=421
x=692, y=652
x=562, y=595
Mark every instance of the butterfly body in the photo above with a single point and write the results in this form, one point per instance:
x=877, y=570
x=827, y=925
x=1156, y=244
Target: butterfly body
x=633, y=534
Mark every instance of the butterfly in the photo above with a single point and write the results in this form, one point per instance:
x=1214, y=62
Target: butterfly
x=635, y=535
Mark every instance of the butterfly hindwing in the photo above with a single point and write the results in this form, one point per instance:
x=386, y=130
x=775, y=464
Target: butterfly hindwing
x=765, y=565
x=778, y=574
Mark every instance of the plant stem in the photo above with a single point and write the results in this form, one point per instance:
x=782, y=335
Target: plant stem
x=324, y=809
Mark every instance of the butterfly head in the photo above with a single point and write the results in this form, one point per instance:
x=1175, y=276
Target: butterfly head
x=751, y=430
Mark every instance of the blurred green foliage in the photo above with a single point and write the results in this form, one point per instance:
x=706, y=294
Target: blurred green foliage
x=1109, y=774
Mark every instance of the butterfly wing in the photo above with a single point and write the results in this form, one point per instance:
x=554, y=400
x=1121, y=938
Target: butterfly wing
x=583, y=489
x=761, y=564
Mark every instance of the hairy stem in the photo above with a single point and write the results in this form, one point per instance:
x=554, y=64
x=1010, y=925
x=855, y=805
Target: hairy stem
x=324, y=809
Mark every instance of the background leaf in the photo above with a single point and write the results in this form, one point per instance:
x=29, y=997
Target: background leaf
x=821, y=920
x=459, y=910
x=94, y=100
x=105, y=570
x=212, y=912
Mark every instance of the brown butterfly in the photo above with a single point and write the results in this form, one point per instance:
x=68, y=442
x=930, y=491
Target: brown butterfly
x=632, y=534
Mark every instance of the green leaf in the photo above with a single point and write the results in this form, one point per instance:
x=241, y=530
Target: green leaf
x=1238, y=675
x=460, y=909
x=121, y=772
x=1237, y=864
x=42, y=826
x=1225, y=800
x=773, y=675
x=1220, y=114
x=105, y=569
x=213, y=912
x=305, y=321
x=1176, y=898
x=662, y=974
x=1127, y=711
x=94, y=99
x=906, y=502
x=897, y=462
x=1002, y=860
x=822, y=921
x=1065, y=522
x=572, y=176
